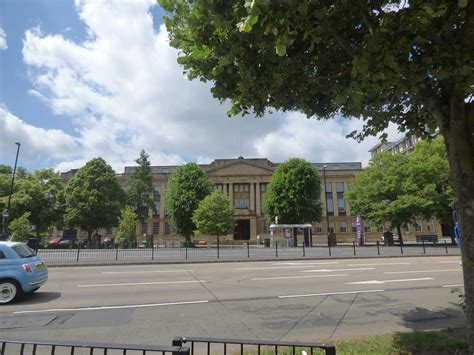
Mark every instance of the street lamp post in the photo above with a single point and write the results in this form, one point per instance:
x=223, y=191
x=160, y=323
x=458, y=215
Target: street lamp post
x=326, y=200
x=6, y=213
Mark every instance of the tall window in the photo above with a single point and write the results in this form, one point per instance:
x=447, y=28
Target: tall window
x=340, y=186
x=418, y=226
x=343, y=226
x=329, y=206
x=263, y=187
x=219, y=187
x=144, y=227
x=157, y=200
x=241, y=187
x=318, y=228
x=167, y=228
x=406, y=227
x=368, y=229
x=241, y=203
x=381, y=228
x=328, y=187
x=341, y=206
x=156, y=228
x=430, y=225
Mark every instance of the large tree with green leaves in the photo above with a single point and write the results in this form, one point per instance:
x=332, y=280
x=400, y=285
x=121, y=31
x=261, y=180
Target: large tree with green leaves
x=294, y=194
x=186, y=188
x=390, y=190
x=127, y=228
x=214, y=216
x=20, y=228
x=93, y=197
x=410, y=63
x=139, y=187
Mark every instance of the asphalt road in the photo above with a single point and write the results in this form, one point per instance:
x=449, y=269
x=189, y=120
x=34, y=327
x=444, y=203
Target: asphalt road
x=311, y=300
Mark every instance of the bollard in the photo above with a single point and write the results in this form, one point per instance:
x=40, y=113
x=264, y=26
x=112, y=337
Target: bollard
x=424, y=249
x=401, y=248
x=378, y=248
x=446, y=246
x=248, y=250
x=78, y=251
x=276, y=249
x=354, y=247
x=329, y=245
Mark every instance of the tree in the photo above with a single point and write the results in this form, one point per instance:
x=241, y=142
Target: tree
x=93, y=197
x=387, y=191
x=126, y=232
x=38, y=193
x=186, y=188
x=139, y=188
x=384, y=61
x=214, y=216
x=20, y=228
x=294, y=194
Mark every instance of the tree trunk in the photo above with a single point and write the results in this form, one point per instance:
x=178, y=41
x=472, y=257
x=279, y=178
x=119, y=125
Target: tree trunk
x=89, y=238
x=458, y=134
x=399, y=232
x=295, y=237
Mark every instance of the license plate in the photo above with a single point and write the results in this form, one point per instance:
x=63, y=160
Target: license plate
x=40, y=266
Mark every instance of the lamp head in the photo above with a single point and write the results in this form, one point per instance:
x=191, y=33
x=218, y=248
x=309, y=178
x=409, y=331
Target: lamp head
x=18, y=143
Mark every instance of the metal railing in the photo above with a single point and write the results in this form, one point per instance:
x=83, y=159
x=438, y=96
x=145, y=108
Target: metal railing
x=180, y=346
x=241, y=346
x=239, y=252
x=53, y=347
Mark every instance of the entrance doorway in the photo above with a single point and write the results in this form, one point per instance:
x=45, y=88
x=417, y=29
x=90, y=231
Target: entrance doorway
x=242, y=230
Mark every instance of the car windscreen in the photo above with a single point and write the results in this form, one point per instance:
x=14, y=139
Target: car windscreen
x=23, y=251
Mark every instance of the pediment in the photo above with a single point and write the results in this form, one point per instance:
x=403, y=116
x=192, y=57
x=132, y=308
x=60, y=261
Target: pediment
x=239, y=169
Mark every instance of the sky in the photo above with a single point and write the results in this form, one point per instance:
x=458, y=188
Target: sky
x=88, y=78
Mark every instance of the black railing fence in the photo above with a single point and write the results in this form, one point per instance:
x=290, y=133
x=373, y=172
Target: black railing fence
x=240, y=252
x=240, y=346
x=180, y=346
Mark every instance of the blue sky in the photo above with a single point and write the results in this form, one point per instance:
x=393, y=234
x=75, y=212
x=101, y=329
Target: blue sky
x=98, y=78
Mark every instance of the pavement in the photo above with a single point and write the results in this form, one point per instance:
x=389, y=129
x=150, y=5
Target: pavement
x=300, y=300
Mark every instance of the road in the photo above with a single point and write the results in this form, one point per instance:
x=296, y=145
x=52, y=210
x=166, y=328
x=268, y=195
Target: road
x=311, y=300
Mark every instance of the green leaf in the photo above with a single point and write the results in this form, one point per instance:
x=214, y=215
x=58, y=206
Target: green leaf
x=280, y=49
x=463, y=3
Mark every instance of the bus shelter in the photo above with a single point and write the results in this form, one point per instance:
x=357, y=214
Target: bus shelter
x=283, y=233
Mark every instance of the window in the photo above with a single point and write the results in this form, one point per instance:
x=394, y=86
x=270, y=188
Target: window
x=167, y=229
x=144, y=227
x=328, y=187
x=341, y=206
x=340, y=186
x=263, y=187
x=331, y=226
x=157, y=194
x=23, y=251
x=109, y=231
x=241, y=187
x=241, y=203
x=406, y=227
x=368, y=229
x=318, y=228
x=418, y=226
x=381, y=228
x=430, y=225
x=156, y=212
x=219, y=187
x=329, y=206
x=156, y=228
x=343, y=226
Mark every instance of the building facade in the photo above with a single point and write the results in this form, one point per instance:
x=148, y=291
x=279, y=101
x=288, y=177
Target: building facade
x=245, y=182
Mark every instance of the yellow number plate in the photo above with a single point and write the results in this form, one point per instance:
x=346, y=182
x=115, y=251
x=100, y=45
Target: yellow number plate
x=40, y=267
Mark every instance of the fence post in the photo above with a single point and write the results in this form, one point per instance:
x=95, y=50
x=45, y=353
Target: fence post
x=186, y=251
x=116, y=254
x=378, y=248
x=424, y=249
x=304, y=251
x=152, y=252
x=78, y=251
x=217, y=247
x=446, y=246
x=248, y=250
x=330, y=350
x=276, y=249
x=354, y=247
x=329, y=245
x=401, y=248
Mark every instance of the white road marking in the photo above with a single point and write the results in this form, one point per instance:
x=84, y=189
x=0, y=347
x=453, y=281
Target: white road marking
x=327, y=270
x=330, y=293
x=112, y=307
x=295, y=277
x=449, y=261
x=273, y=267
x=142, y=272
x=460, y=285
x=372, y=282
x=378, y=264
x=308, y=263
x=143, y=283
x=419, y=271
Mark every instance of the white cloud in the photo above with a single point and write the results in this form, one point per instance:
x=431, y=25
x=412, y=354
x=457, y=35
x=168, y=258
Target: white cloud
x=3, y=40
x=37, y=144
x=124, y=91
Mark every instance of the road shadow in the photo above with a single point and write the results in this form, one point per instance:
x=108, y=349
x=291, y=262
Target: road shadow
x=38, y=297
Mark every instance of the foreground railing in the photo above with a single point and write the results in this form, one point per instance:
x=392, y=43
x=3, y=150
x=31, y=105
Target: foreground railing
x=53, y=347
x=241, y=346
x=241, y=252
x=180, y=346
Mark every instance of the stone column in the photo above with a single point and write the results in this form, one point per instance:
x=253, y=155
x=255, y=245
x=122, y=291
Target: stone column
x=259, y=199
x=252, y=197
x=162, y=201
x=225, y=190
x=231, y=195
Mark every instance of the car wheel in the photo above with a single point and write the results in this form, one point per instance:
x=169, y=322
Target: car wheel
x=10, y=291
